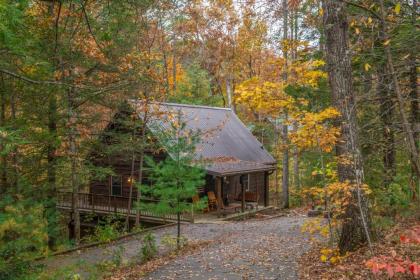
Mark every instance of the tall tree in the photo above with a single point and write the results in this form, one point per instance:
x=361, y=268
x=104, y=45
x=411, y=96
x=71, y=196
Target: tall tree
x=177, y=178
x=355, y=223
x=415, y=102
x=407, y=128
x=285, y=126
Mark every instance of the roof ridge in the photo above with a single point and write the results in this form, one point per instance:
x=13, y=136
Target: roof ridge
x=185, y=105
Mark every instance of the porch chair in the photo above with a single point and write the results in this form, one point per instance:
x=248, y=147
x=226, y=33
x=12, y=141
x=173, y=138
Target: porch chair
x=212, y=201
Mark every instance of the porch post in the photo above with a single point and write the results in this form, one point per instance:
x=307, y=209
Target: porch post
x=219, y=194
x=243, y=197
x=266, y=190
x=257, y=190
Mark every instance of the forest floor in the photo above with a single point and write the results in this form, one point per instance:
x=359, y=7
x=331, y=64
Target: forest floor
x=353, y=267
x=259, y=248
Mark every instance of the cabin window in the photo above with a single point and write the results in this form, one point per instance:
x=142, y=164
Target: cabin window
x=116, y=185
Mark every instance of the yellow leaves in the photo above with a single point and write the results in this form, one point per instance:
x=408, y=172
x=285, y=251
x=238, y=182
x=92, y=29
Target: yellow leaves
x=266, y=97
x=386, y=43
x=357, y=30
x=331, y=255
x=318, y=63
x=397, y=8
x=315, y=131
x=326, y=251
x=367, y=67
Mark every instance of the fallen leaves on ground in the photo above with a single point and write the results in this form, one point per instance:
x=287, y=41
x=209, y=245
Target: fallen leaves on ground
x=140, y=270
x=354, y=265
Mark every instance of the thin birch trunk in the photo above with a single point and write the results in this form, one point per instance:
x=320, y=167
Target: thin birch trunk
x=294, y=36
x=285, y=177
x=285, y=128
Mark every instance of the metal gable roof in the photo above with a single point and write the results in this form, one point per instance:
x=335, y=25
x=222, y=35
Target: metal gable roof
x=223, y=136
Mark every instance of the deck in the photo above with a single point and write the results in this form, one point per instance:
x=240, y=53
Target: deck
x=117, y=205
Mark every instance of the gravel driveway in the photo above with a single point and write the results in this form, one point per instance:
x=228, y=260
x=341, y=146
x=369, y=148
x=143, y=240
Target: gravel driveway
x=266, y=249
x=253, y=249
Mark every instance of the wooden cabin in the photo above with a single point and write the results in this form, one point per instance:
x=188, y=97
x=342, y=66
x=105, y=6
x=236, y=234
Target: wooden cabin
x=237, y=169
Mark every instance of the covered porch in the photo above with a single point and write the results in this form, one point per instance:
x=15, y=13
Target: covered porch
x=236, y=186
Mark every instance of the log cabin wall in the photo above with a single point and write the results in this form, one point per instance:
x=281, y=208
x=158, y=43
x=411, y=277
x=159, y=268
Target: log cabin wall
x=122, y=168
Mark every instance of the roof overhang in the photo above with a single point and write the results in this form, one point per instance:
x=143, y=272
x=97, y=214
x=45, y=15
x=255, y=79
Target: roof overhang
x=224, y=166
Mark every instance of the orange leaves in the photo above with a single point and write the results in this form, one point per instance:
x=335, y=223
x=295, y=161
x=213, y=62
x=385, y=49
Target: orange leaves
x=411, y=236
x=395, y=264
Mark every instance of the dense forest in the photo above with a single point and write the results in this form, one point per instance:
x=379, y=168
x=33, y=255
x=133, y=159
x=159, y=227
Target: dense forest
x=330, y=88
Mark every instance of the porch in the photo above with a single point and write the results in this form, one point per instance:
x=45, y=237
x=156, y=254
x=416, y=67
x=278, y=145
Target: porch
x=100, y=204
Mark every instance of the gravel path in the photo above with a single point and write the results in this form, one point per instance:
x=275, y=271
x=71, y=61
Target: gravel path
x=244, y=250
x=253, y=249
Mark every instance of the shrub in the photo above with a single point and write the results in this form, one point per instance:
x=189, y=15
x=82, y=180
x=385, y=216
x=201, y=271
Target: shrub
x=23, y=236
x=149, y=248
x=117, y=256
x=170, y=242
x=393, y=199
x=106, y=230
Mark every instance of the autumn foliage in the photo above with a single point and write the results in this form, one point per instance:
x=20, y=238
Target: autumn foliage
x=394, y=264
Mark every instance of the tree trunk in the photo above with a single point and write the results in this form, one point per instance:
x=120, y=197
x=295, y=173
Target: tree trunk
x=355, y=227
x=415, y=107
x=276, y=172
x=51, y=207
x=73, y=159
x=409, y=135
x=174, y=69
x=386, y=112
x=14, y=174
x=285, y=177
x=229, y=93
x=130, y=195
x=285, y=128
x=296, y=174
x=3, y=163
x=178, y=229
x=143, y=146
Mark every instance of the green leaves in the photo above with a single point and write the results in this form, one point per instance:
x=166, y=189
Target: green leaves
x=175, y=179
x=22, y=236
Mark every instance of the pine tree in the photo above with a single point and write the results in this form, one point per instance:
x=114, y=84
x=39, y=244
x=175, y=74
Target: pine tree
x=175, y=180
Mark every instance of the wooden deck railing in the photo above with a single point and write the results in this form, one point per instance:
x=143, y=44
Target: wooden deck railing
x=108, y=204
